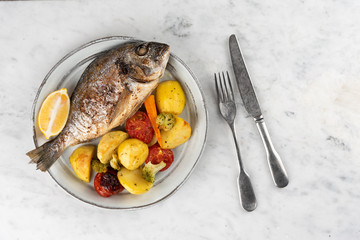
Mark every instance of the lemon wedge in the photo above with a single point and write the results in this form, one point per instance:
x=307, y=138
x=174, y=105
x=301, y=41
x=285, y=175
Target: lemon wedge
x=54, y=112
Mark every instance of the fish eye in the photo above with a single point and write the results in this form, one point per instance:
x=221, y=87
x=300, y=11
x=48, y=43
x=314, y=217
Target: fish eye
x=141, y=50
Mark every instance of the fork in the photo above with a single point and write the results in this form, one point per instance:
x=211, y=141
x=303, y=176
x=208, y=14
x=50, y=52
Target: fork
x=227, y=107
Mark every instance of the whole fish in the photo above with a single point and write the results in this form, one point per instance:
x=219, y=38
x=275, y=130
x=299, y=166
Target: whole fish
x=111, y=89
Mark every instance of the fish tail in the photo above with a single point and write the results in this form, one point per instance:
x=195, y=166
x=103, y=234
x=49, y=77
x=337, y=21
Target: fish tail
x=46, y=155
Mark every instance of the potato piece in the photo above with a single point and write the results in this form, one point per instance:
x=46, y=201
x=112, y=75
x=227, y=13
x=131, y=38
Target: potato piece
x=108, y=144
x=133, y=181
x=80, y=161
x=132, y=153
x=170, y=97
x=153, y=141
x=176, y=136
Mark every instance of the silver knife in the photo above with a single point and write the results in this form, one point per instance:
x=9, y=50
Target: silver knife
x=252, y=107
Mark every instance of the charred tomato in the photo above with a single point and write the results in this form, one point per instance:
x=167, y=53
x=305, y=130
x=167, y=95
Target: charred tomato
x=107, y=184
x=157, y=155
x=139, y=126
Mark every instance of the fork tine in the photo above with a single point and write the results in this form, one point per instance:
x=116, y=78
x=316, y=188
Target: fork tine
x=223, y=88
x=231, y=89
x=219, y=93
x=228, y=96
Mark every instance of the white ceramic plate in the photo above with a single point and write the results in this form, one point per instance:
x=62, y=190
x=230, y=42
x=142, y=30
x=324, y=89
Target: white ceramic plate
x=67, y=72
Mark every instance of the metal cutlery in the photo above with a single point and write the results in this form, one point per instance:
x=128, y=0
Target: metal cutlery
x=251, y=104
x=227, y=109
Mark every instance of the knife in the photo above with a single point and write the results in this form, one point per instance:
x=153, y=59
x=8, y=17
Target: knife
x=251, y=105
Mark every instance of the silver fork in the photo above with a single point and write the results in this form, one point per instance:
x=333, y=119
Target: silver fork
x=227, y=109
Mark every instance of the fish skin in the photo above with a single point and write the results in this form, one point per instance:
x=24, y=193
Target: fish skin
x=111, y=89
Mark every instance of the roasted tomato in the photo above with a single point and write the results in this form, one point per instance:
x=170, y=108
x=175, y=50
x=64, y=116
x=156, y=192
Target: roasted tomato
x=139, y=126
x=157, y=155
x=107, y=184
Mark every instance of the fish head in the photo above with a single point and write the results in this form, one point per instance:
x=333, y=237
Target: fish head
x=145, y=61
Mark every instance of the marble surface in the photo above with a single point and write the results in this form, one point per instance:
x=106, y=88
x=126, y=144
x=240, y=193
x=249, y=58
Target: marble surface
x=303, y=57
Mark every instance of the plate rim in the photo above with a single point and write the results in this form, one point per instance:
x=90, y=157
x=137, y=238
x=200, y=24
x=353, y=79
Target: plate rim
x=203, y=102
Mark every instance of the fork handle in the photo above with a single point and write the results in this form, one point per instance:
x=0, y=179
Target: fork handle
x=277, y=169
x=246, y=191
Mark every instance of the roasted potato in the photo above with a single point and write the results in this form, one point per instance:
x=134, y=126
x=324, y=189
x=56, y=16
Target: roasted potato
x=153, y=141
x=80, y=161
x=177, y=135
x=133, y=181
x=170, y=97
x=108, y=144
x=132, y=153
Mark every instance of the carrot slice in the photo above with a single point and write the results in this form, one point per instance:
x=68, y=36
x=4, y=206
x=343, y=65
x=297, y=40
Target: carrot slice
x=150, y=107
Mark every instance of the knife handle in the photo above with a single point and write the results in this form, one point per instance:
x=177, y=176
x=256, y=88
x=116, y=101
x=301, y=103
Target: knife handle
x=277, y=169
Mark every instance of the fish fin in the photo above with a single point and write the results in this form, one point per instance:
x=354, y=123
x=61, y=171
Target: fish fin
x=119, y=114
x=123, y=112
x=46, y=155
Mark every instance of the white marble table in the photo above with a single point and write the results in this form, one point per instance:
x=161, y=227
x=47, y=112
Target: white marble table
x=303, y=57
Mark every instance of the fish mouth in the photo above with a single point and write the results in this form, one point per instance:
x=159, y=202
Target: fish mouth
x=159, y=53
x=163, y=50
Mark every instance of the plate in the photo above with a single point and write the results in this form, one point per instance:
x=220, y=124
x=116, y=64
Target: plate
x=67, y=72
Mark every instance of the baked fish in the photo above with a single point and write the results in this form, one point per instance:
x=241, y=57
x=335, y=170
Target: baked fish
x=111, y=89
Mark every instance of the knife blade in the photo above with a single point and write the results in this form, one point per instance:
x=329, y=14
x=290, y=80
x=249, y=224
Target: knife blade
x=251, y=105
x=246, y=89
